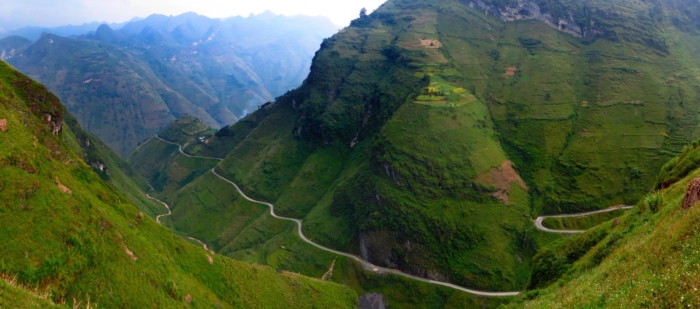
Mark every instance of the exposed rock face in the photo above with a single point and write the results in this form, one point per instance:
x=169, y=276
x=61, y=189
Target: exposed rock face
x=525, y=9
x=372, y=301
x=3, y=125
x=54, y=123
x=692, y=194
x=381, y=247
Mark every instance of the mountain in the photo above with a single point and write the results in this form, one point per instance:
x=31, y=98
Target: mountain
x=34, y=33
x=70, y=238
x=125, y=85
x=642, y=258
x=429, y=135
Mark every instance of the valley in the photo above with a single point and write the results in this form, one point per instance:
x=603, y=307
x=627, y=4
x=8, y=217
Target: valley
x=73, y=234
x=126, y=85
x=432, y=154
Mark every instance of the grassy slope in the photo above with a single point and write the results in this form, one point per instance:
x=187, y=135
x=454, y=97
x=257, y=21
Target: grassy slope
x=110, y=166
x=586, y=122
x=14, y=296
x=245, y=231
x=649, y=260
x=161, y=164
x=76, y=246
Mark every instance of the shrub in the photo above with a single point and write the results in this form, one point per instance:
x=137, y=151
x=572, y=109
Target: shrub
x=654, y=201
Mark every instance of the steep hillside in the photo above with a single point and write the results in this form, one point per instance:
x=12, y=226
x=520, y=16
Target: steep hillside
x=15, y=296
x=430, y=133
x=125, y=85
x=109, y=166
x=68, y=232
x=645, y=258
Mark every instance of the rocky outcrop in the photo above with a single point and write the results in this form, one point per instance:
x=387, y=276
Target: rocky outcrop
x=692, y=194
x=527, y=9
x=382, y=247
x=54, y=123
x=3, y=125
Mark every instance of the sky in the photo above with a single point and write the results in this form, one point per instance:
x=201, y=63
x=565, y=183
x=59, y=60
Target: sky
x=51, y=13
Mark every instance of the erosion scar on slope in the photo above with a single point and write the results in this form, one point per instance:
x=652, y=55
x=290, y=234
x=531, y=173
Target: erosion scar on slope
x=502, y=177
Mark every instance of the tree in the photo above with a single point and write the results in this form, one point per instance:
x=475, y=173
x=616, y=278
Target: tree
x=363, y=13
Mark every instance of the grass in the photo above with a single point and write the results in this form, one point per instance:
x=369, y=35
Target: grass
x=73, y=244
x=648, y=260
x=13, y=295
x=586, y=124
x=208, y=209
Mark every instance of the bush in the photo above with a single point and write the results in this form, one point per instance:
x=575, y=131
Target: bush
x=654, y=201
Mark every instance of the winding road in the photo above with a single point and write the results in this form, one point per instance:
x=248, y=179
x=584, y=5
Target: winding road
x=365, y=264
x=185, y=154
x=538, y=221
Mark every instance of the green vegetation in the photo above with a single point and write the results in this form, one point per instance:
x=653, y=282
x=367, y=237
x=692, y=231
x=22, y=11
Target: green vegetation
x=162, y=165
x=108, y=165
x=67, y=231
x=429, y=134
x=185, y=130
x=14, y=296
x=649, y=259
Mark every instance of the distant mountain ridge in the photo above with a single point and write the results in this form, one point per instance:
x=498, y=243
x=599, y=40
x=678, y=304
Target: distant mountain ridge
x=34, y=33
x=125, y=85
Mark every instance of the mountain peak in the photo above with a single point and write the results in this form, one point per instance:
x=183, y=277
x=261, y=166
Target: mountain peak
x=267, y=14
x=104, y=28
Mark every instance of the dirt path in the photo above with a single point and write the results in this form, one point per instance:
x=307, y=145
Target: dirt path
x=164, y=204
x=538, y=221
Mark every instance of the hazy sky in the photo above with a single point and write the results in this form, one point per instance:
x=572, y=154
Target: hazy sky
x=51, y=13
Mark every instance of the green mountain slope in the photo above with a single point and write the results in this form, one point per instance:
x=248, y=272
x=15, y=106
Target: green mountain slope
x=67, y=231
x=647, y=259
x=245, y=231
x=14, y=296
x=430, y=133
x=108, y=165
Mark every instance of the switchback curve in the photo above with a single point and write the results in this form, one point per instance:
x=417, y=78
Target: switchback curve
x=538, y=221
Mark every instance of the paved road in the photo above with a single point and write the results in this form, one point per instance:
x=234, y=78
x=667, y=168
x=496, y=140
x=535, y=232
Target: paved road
x=185, y=154
x=365, y=264
x=538, y=221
